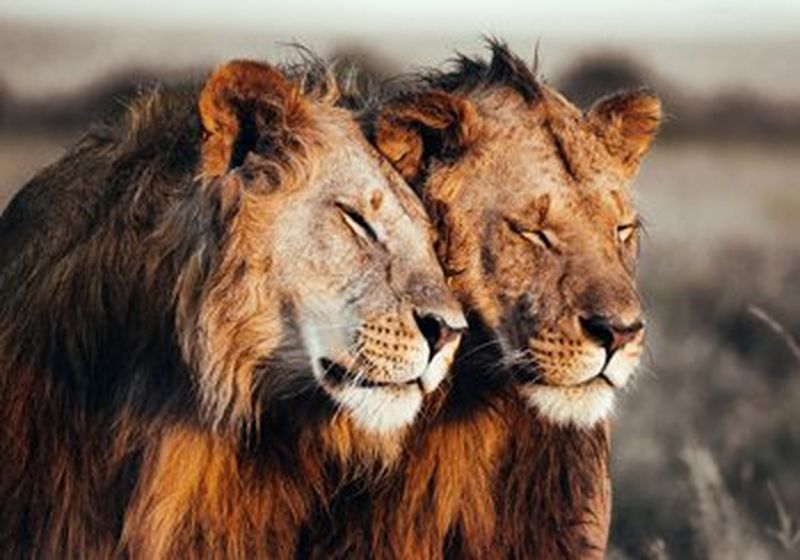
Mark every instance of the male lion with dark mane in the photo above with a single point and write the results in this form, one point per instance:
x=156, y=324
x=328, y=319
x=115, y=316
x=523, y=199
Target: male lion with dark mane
x=539, y=239
x=211, y=308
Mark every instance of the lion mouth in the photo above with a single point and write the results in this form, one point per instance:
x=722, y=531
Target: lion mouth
x=533, y=377
x=600, y=377
x=338, y=375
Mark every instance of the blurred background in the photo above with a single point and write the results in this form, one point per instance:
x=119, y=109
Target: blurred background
x=707, y=445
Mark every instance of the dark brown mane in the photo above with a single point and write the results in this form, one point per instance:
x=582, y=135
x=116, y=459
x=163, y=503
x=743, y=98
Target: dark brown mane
x=467, y=74
x=504, y=68
x=63, y=221
x=68, y=365
x=100, y=254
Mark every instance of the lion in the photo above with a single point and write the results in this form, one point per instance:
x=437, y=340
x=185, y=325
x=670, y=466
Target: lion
x=538, y=238
x=213, y=306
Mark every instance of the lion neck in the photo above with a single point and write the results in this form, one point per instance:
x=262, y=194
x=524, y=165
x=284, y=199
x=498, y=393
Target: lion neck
x=547, y=481
x=550, y=490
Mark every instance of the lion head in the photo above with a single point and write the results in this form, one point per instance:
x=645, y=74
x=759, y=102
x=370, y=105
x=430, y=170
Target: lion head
x=538, y=234
x=252, y=224
x=328, y=265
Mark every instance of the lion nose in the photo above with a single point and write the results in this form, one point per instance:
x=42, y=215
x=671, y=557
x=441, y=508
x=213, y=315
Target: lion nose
x=612, y=334
x=436, y=330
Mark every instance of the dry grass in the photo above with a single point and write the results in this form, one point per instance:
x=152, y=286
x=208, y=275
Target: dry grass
x=787, y=533
x=779, y=329
x=722, y=531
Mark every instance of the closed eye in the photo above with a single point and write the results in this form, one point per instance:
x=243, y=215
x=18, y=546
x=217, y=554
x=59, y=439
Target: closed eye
x=625, y=232
x=536, y=236
x=357, y=222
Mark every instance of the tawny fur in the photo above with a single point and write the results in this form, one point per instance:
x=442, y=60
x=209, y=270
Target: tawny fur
x=155, y=398
x=493, y=153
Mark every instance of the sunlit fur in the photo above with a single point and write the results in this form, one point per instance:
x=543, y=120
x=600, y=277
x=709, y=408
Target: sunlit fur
x=510, y=462
x=161, y=323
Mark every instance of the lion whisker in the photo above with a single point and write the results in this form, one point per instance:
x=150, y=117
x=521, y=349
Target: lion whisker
x=478, y=348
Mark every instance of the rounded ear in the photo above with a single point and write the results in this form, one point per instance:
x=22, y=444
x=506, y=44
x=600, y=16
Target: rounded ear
x=242, y=103
x=627, y=123
x=415, y=128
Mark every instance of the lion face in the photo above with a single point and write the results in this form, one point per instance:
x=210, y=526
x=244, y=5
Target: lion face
x=327, y=279
x=354, y=253
x=537, y=231
x=552, y=274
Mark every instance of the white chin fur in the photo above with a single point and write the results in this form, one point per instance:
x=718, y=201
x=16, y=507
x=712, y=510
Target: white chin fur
x=582, y=407
x=380, y=410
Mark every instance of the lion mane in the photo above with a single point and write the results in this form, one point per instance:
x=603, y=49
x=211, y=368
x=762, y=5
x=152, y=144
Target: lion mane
x=116, y=264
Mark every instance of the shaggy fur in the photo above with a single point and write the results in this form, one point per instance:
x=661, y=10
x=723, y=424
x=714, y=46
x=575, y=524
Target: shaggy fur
x=155, y=398
x=497, y=158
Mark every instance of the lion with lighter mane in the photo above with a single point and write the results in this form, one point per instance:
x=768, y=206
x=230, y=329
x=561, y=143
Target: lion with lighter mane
x=212, y=307
x=539, y=238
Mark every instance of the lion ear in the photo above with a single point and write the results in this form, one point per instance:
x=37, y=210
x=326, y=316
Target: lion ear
x=242, y=104
x=627, y=123
x=416, y=128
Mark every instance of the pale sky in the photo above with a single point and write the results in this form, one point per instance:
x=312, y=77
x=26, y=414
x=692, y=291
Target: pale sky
x=661, y=18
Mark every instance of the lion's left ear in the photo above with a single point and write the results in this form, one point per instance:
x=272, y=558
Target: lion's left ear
x=245, y=106
x=627, y=123
x=412, y=130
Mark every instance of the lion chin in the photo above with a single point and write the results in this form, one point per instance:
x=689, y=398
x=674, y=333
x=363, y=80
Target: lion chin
x=382, y=408
x=588, y=402
x=381, y=411
x=583, y=406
